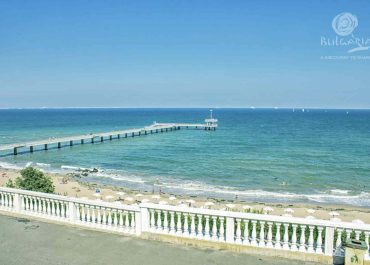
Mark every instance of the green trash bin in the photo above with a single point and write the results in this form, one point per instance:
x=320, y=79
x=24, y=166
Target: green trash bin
x=354, y=252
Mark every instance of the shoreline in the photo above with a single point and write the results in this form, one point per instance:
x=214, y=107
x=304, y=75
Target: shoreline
x=66, y=184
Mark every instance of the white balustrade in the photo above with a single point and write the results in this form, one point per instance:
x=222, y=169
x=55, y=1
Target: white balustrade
x=311, y=236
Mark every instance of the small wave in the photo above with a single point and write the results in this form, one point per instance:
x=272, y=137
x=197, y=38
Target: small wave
x=9, y=166
x=338, y=191
x=119, y=177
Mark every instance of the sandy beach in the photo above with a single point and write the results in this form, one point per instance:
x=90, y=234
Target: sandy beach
x=70, y=186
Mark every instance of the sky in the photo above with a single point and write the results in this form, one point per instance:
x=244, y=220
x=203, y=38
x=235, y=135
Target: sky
x=180, y=54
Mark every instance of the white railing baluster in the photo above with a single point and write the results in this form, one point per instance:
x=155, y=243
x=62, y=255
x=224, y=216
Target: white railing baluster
x=302, y=242
x=286, y=237
x=172, y=223
x=152, y=220
x=200, y=227
x=186, y=225
x=254, y=233
x=238, y=233
x=269, y=235
x=319, y=240
x=222, y=230
x=192, y=225
x=278, y=236
x=262, y=234
x=179, y=224
x=206, y=229
x=310, y=240
x=214, y=228
x=293, y=246
x=165, y=221
x=246, y=232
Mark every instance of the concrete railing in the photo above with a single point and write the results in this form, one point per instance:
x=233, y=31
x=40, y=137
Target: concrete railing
x=280, y=233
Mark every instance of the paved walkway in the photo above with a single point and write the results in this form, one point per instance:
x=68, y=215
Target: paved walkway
x=23, y=241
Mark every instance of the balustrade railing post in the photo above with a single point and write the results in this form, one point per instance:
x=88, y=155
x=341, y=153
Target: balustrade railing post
x=329, y=241
x=71, y=212
x=17, y=202
x=139, y=222
x=230, y=230
x=143, y=222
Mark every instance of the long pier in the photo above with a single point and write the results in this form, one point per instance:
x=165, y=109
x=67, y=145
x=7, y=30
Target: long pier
x=101, y=137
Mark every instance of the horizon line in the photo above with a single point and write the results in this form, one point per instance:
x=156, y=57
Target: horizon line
x=203, y=107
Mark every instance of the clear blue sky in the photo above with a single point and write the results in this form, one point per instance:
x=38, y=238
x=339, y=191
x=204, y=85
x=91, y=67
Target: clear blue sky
x=178, y=54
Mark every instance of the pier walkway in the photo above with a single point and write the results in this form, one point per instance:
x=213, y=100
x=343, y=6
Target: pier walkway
x=59, y=142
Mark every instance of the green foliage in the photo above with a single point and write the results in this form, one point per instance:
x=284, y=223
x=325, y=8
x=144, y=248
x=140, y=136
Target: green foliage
x=35, y=180
x=10, y=184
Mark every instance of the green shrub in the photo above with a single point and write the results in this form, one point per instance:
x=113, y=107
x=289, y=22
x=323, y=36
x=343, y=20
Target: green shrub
x=35, y=180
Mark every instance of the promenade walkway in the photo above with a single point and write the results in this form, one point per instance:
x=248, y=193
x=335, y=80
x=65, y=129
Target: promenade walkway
x=24, y=241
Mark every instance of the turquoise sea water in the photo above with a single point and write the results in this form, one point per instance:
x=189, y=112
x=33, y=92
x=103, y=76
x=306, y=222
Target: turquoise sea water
x=320, y=156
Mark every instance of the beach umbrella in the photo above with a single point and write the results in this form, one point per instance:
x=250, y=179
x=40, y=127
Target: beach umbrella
x=310, y=217
x=163, y=202
x=209, y=204
x=172, y=198
x=288, y=210
x=311, y=211
x=157, y=197
x=332, y=214
x=129, y=199
x=120, y=193
x=230, y=206
x=190, y=201
x=97, y=194
x=145, y=201
x=335, y=219
x=139, y=195
x=268, y=209
x=358, y=221
x=109, y=197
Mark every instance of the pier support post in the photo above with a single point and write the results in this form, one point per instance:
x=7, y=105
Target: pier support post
x=101, y=139
x=92, y=140
x=125, y=135
x=133, y=134
x=118, y=136
x=71, y=143
x=156, y=130
x=45, y=146
x=139, y=133
x=59, y=145
x=15, y=151
x=145, y=133
x=110, y=137
x=31, y=149
x=82, y=141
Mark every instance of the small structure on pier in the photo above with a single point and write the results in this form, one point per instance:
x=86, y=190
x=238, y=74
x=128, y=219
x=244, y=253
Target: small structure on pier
x=211, y=123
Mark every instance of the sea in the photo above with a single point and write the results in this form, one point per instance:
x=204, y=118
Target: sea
x=261, y=155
